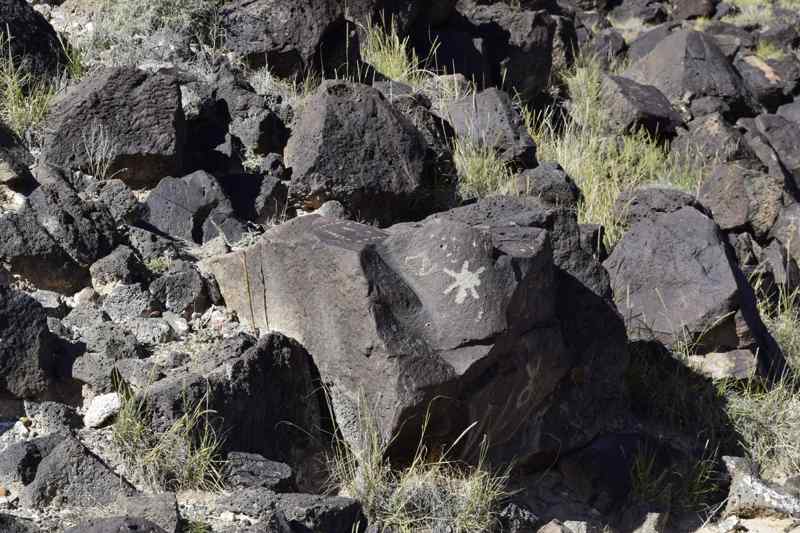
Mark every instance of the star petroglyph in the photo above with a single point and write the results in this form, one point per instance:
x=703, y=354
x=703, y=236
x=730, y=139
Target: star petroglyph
x=465, y=281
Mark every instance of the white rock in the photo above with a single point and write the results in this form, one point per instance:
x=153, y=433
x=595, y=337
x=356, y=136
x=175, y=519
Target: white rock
x=102, y=409
x=737, y=364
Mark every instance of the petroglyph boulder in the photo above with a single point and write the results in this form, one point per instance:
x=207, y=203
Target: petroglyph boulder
x=456, y=318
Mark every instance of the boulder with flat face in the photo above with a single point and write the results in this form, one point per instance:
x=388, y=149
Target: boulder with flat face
x=489, y=118
x=116, y=525
x=517, y=42
x=690, y=63
x=674, y=282
x=772, y=81
x=784, y=137
x=263, y=395
x=71, y=475
x=741, y=197
x=711, y=136
x=273, y=512
x=631, y=106
x=84, y=229
x=128, y=117
x=33, y=254
x=292, y=37
x=352, y=145
x=27, y=358
x=193, y=208
x=456, y=314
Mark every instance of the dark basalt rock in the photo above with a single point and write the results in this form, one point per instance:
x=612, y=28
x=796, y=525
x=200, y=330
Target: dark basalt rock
x=34, y=45
x=350, y=144
x=27, y=349
x=138, y=112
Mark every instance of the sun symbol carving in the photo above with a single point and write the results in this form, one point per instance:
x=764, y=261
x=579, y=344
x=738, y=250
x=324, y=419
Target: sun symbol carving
x=465, y=281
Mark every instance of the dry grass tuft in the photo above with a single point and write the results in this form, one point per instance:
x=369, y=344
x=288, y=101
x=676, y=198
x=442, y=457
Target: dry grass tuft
x=100, y=150
x=752, y=13
x=391, y=55
x=603, y=164
x=265, y=83
x=767, y=418
x=185, y=456
x=480, y=170
x=122, y=29
x=428, y=495
x=24, y=99
x=767, y=414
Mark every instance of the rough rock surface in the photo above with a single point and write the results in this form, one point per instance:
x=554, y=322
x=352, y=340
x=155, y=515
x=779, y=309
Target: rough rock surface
x=351, y=145
x=631, y=106
x=35, y=45
x=116, y=525
x=519, y=43
x=12, y=524
x=57, y=228
x=752, y=497
x=674, y=282
x=250, y=470
x=550, y=184
x=291, y=37
x=689, y=62
x=193, y=208
x=740, y=198
x=84, y=229
x=440, y=306
x=296, y=512
x=489, y=118
x=14, y=160
x=263, y=394
x=27, y=358
x=160, y=509
x=139, y=113
x=72, y=475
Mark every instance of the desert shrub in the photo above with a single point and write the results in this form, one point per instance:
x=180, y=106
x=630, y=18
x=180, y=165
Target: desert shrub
x=122, y=27
x=159, y=264
x=431, y=494
x=185, y=456
x=99, y=148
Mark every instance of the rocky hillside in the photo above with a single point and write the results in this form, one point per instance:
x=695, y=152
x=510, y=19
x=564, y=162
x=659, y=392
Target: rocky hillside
x=464, y=266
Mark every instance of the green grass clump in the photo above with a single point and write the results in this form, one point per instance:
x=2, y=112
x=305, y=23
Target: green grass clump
x=691, y=485
x=264, y=82
x=604, y=164
x=185, y=456
x=24, y=99
x=758, y=12
x=391, y=55
x=431, y=494
x=481, y=171
x=766, y=50
x=158, y=265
